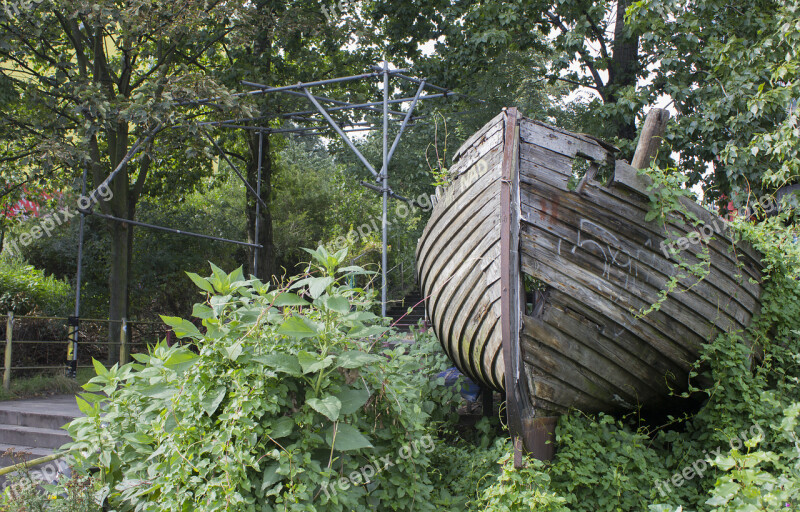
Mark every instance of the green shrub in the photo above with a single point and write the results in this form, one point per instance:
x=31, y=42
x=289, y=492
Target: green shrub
x=25, y=290
x=282, y=401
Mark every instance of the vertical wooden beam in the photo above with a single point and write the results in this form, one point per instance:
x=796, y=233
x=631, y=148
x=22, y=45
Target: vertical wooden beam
x=9, y=338
x=650, y=138
x=516, y=405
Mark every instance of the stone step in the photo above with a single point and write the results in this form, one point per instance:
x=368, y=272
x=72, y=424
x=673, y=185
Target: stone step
x=33, y=436
x=11, y=454
x=34, y=419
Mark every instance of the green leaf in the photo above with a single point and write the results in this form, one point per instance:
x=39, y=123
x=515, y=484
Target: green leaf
x=160, y=390
x=282, y=427
x=316, y=285
x=297, y=327
x=202, y=311
x=201, y=282
x=181, y=360
x=284, y=363
x=98, y=367
x=328, y=406
x=357, y=359
x=234, y=351
x=85, y=407
x=211, y=400
x=313, y=362
x=182, y=328
x=289, y=299
x=338, y=304
x=271, y=476
x=353, y=399
x=348, y=438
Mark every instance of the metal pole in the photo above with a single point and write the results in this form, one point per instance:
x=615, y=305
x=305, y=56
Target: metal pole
x=72, y=351
x=7, y=372
x=385, y=175
x=258, y=204
x=171, y=230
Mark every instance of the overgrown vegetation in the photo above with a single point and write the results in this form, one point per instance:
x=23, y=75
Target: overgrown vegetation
x=25, y=289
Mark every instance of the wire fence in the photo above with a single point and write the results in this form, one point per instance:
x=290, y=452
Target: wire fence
x=40, y=344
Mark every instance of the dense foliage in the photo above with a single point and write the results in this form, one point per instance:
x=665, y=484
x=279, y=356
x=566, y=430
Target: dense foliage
x=25, y=289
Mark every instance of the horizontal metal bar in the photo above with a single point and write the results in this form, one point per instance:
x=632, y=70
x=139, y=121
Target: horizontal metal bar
x=32, y=317
x=206, y=101
x=170, y=230
x=344, y=105
x=447, y=92
x=61, y=367
x=100, y=343
x=380, y=190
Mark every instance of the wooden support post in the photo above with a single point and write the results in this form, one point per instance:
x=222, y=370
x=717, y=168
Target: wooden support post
x=540, y=438
x=9, y=337
x=488, y=403
x=650, y=138
x=123, y=342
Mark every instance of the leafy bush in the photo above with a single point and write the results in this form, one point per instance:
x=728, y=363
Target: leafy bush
x=25, y=290
x=283, y=400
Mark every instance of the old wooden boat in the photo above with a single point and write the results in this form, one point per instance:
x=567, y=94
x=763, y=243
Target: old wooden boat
x=577, y=340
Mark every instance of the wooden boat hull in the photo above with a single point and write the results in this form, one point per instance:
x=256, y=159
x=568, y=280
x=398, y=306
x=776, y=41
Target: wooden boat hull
x=578, y=342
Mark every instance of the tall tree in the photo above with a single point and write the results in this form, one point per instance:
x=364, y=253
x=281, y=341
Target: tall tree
x=90, y=77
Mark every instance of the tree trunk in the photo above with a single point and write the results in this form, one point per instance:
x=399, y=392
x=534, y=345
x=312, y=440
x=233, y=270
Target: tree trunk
x=266, y=257
x=118, y=286
x=623, y=69
x=121, y=241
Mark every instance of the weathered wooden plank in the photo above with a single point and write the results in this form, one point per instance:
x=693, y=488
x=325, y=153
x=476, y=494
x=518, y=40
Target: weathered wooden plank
x=563, y=142
x=629, y=265
x=475, y=154
x=560, y=390
x=633, y=354
x=561, y=353
x=628, y=221
x=484, y=216
x=460, y=196
x=614, y=301
x=598, y=301
x=626, y=177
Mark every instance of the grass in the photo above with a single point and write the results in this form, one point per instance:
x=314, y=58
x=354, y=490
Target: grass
x=45, y=384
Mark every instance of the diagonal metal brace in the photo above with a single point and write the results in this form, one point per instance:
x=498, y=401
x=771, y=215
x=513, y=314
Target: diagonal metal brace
x=403, y=126
x=235, y=169
x=341, y=132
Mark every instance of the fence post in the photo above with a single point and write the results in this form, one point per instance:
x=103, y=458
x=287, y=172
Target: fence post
x=9, y=337
x=123, y=338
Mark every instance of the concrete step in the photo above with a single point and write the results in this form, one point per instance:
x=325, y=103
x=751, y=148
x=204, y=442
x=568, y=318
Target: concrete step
x=34, y=419
x=33, y=436
x=11, y=454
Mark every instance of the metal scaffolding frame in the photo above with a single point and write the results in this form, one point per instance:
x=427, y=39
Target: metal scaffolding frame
x=298, y=90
